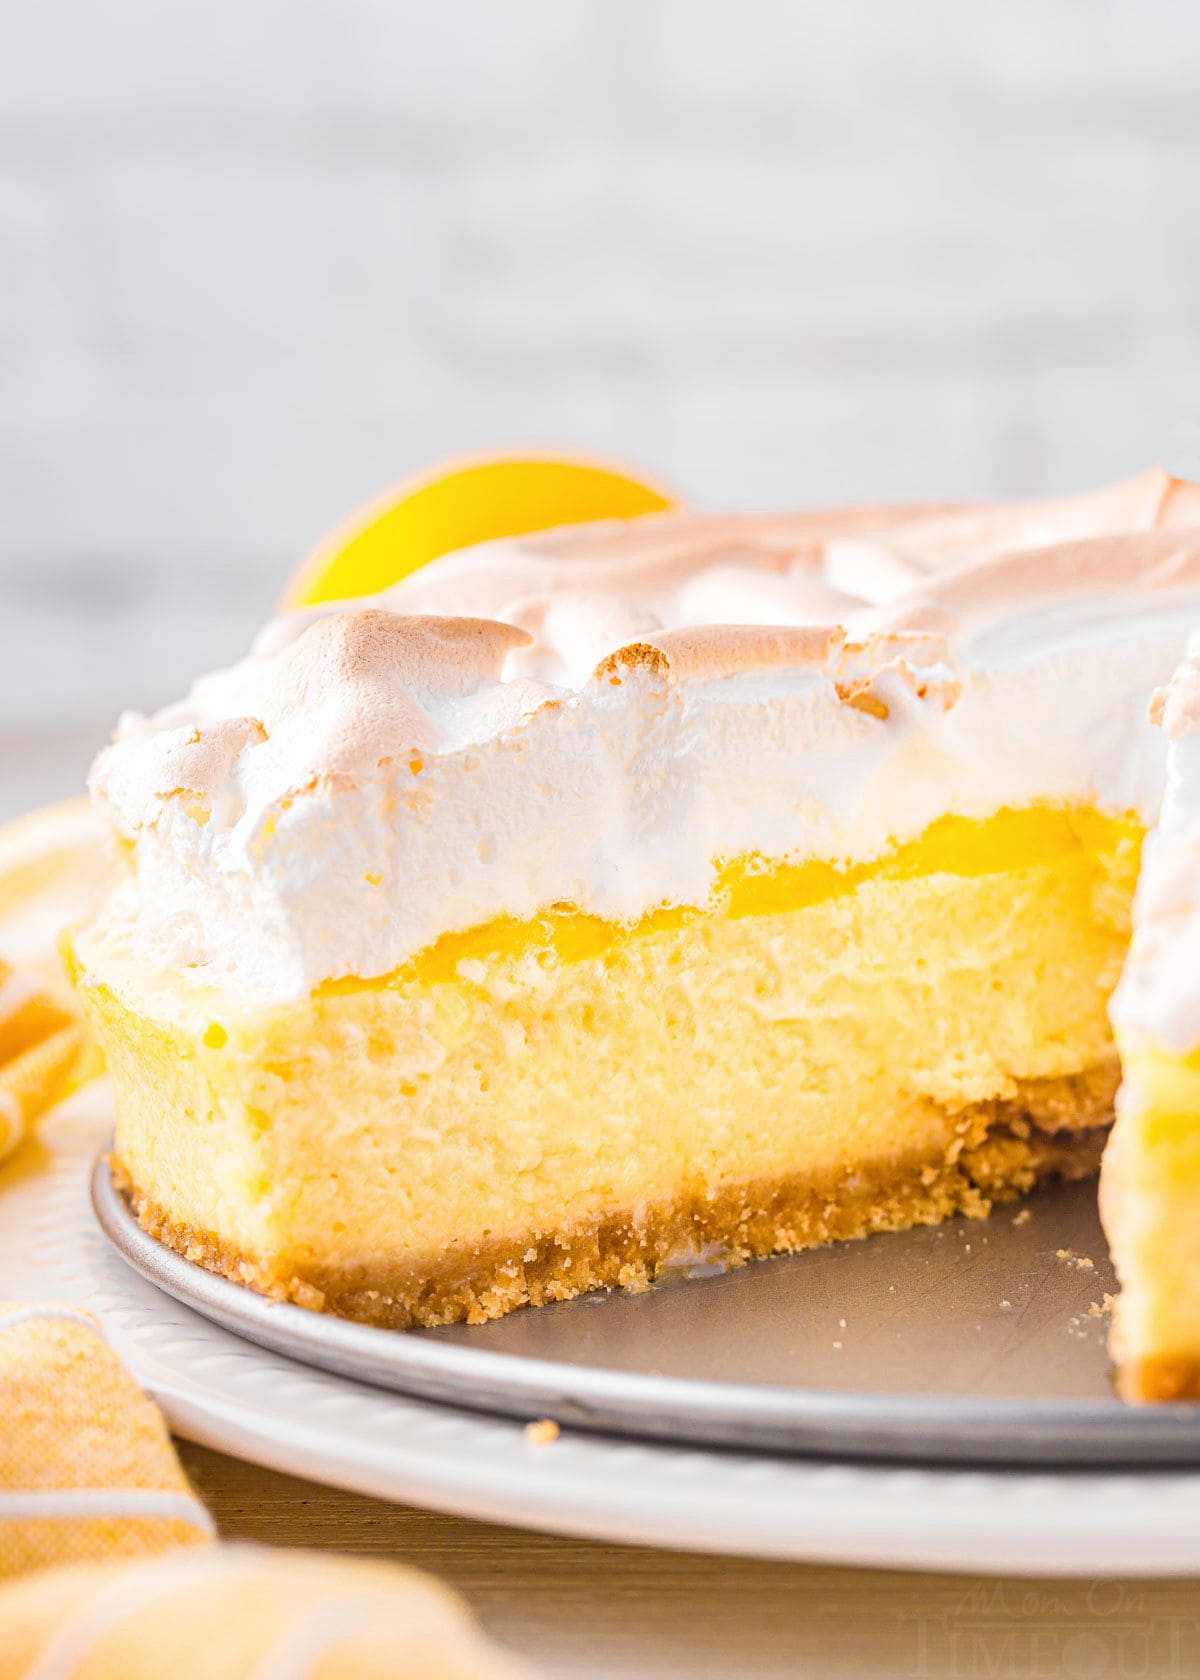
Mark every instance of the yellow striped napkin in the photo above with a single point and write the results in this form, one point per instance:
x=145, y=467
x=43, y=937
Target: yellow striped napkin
x=87, y=1469
x=52, y=863
x=241, y=1613
x=44, y=1053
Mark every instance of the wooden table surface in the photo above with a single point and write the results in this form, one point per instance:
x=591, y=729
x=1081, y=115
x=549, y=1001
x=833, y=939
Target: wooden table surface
x=580, y=1610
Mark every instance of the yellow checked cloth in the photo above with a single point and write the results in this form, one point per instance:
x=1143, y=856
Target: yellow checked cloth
x=44, y=1053
x=241, y=1613
x=52, y=864
x=87, y=1469
x=87, y=1472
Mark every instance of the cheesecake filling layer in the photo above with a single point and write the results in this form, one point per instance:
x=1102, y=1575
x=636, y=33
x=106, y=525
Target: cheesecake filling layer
x=536, y=1107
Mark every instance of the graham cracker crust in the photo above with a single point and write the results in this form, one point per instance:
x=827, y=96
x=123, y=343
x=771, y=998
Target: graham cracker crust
x=1000, y=1150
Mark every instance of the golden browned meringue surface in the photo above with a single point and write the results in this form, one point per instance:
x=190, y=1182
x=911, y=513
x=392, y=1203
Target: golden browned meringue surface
x=599, y=715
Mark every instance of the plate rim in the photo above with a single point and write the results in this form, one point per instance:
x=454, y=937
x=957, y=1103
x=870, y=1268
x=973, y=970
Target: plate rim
x=901, y=1429
x=226, y=1393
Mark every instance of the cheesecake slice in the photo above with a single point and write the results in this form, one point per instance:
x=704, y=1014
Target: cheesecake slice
x=748, y=882
x=1150, y=1189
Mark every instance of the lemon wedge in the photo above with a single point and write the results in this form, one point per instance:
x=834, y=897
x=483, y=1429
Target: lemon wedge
x=459, y=504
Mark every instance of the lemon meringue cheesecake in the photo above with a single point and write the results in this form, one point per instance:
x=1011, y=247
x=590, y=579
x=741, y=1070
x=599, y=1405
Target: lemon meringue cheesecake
x=1150, y=1187
x=743, y=881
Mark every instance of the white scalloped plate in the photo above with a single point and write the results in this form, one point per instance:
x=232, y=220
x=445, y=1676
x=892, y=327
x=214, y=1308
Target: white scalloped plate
x=232, y=1395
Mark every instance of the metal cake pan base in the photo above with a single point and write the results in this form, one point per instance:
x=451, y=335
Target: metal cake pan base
x=974, y=1341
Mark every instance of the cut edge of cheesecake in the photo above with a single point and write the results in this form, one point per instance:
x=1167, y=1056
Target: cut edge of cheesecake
x=1000, y=1151
x=1148, y=1201
x=439, y=1145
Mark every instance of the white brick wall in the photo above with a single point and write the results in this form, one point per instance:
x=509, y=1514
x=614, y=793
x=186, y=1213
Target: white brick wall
x=260, y=257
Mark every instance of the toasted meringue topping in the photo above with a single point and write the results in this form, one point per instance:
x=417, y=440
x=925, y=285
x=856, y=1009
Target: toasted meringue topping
x=635, y=702
x=1158, y=999
x=1108, y=571
x=1151, y=501
x=1175, y=708
x=723, y=650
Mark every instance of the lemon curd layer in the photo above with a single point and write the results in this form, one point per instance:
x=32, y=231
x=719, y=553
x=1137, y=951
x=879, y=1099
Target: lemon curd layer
x=535, y=1107
x=1148, y=1198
